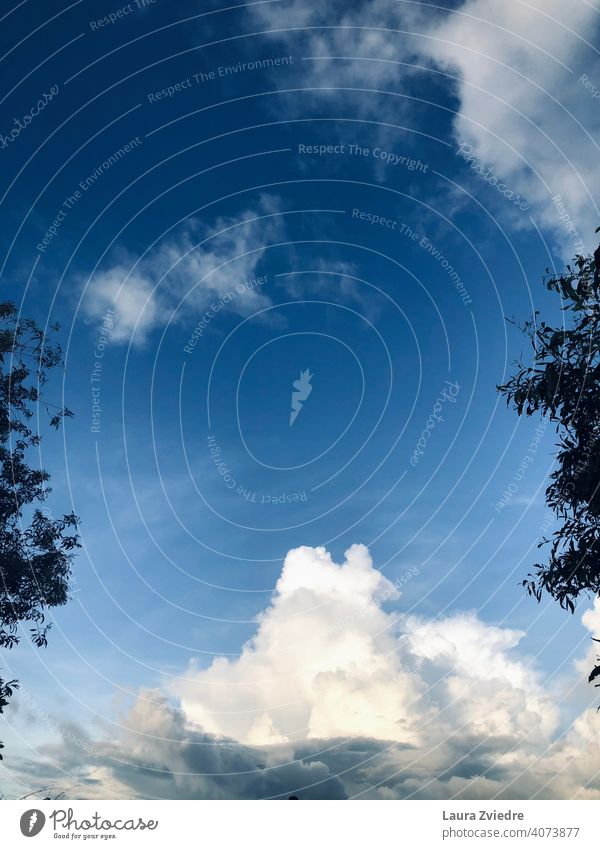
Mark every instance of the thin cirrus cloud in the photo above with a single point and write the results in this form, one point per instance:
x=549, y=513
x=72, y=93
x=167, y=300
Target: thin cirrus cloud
x=334, y=697
x=337, y=32
x=185, y=273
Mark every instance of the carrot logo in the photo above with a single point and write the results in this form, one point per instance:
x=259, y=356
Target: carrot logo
x=302, y=389
x=32, y=822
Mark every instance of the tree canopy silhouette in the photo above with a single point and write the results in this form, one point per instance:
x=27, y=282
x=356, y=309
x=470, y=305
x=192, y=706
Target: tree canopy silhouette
x=35, y=550
x=562, y=383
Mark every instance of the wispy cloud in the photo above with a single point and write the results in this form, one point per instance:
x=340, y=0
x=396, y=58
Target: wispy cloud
x=184, y=273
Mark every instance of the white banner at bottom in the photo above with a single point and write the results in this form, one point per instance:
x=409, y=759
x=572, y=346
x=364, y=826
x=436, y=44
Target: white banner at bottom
x=347, y=824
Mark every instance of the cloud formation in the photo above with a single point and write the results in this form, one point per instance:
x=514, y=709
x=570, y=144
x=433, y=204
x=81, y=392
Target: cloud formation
x=518, y=70
x=525, y=116
x=185, y=273
x=334, y=697
x=338, y=31
x=323, y=662
x=523, y=106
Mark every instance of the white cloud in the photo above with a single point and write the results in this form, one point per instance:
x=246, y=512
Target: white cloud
x=336, y=44
x=328, y=661
x=131, y=296
x=591, y=621
x=591, y=618
x=519, y=65
x=185, y=274
x=322, y=663
x=339, y=28
x=522, y=106
x=334, y=696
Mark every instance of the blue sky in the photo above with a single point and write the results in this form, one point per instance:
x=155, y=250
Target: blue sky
x=286, y=183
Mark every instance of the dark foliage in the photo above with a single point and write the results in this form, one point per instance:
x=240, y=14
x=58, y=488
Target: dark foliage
x=35, y=550
x=563, y=383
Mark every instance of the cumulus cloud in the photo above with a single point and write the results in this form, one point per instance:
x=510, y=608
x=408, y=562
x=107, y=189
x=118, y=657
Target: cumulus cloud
x=323, y=662
x=327, y=660
x=185, y=274
x=591, y=618
x=336, y=697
